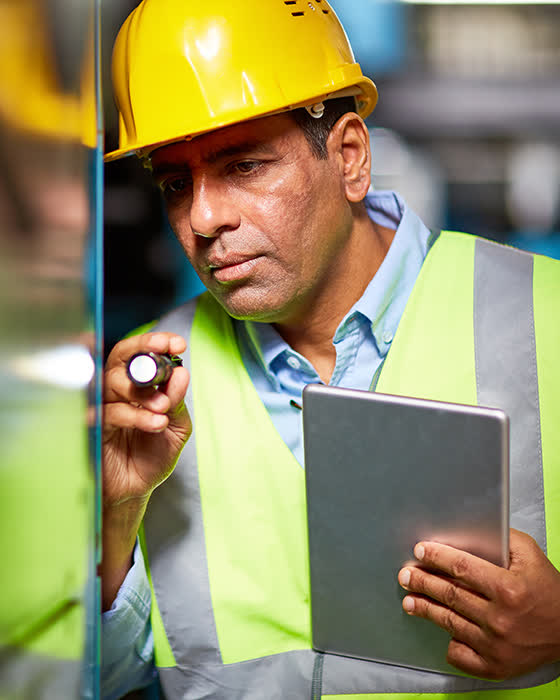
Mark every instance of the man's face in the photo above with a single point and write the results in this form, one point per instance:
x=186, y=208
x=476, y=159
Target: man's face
x=261, y=219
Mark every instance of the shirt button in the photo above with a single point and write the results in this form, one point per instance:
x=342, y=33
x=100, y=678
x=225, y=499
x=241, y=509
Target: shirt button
x=387, y=337
x=294, y=362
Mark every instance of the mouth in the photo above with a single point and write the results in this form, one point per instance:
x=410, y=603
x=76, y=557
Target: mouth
x=231, y=268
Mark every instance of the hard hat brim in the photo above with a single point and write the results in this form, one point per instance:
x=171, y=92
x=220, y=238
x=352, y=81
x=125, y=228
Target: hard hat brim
x=364, y=90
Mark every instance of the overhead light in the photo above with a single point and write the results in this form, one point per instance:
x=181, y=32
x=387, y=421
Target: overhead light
x=481, y=2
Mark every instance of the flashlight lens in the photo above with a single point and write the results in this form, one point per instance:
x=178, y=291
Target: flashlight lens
x=143, y=368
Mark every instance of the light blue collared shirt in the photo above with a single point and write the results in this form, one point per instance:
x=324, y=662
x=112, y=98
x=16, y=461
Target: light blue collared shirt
x=279, y=374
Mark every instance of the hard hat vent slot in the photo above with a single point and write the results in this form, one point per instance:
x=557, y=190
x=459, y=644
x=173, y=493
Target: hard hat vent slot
x=301, y=13
x=324, y=9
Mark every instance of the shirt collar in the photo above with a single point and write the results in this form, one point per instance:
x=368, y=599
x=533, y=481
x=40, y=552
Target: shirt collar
x=384, y=299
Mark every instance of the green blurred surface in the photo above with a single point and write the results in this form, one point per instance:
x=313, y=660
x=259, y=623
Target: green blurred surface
x=46, y=496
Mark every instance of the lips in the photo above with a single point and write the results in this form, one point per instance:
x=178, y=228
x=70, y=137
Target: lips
x=231, y=268
x=218, y=263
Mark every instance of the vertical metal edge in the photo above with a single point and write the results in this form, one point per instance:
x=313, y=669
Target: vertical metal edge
x=506, y=478
x=97, y=228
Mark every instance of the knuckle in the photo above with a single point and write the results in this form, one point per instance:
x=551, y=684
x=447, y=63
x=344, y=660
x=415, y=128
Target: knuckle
x=500, y=625
x=450, y=621
x=460, y=567
x=109, y=372
x=450, y=594
x=110, y=380
x=525, y=538
x=513, y=592
x=156, y=336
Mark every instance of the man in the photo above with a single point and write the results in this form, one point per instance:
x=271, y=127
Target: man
x=249, y=115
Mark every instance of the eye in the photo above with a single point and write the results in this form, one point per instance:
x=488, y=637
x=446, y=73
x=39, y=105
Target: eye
x=175, y=186
x=246, y=166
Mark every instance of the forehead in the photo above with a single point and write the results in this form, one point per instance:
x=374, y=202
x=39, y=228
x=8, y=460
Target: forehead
x=264, y=135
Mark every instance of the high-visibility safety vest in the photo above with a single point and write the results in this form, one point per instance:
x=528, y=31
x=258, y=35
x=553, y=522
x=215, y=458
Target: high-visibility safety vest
x=225, y=537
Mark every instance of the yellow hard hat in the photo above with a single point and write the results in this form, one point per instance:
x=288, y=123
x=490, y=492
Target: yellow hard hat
x=185, y=67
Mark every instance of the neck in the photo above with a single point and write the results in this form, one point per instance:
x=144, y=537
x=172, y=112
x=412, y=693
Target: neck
x=311, y=334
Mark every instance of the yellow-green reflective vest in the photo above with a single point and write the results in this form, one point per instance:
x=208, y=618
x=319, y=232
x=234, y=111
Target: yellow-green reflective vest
x=225, y=537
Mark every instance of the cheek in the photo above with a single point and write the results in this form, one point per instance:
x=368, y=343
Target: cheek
x=282, y=221
x=178, y=220
x=186, y=239
x=282, y=213
x=326, y=235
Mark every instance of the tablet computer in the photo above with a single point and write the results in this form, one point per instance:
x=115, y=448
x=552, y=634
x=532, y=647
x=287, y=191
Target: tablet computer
x=382, y=473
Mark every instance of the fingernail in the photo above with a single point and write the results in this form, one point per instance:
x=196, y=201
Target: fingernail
x=404, y=577
x=419, y=552
x=408, y=604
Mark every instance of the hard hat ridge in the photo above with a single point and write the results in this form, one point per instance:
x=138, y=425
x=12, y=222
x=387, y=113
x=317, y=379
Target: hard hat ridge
x=182, y=67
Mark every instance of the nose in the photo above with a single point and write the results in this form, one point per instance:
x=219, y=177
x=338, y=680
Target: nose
x=212, y=209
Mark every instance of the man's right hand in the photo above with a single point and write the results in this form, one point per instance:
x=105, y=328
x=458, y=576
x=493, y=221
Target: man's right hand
x=144, y=431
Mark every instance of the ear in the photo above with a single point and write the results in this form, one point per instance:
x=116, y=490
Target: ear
x=349, y=143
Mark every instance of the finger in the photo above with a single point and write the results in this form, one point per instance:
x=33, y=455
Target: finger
x=479, y=575
x=524, y=550
x=456, y=625
x=124, y=415
x=179, y=418
x=119, y=388
x=466, y=659
x=445, y=590
x=146, y=342
x=176, y=388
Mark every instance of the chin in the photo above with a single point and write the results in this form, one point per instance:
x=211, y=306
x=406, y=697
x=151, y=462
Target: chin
x=253, y=305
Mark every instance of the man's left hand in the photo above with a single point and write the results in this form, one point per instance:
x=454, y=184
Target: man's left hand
x=503, y=622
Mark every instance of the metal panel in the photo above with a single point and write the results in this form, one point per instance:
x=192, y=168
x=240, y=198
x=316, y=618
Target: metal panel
x=49, y=334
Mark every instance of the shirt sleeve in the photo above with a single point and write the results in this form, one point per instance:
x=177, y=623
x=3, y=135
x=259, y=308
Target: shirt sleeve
x=127, y=646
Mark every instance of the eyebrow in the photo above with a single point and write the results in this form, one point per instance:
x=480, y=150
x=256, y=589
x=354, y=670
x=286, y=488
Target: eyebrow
x=256, y=147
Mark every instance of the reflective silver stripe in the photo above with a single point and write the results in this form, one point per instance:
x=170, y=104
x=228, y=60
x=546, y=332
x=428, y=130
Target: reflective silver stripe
x=24, y=674
x=284, y=676
x=506, y=371
x=346, y=676
x=175, y=541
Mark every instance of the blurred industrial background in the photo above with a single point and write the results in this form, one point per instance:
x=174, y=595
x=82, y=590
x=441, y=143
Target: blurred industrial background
x=467, y=130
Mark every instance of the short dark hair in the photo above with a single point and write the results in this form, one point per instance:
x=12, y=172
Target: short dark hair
x=317, y=130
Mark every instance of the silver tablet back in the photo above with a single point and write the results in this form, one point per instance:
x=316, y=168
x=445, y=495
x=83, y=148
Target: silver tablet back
x=382, y=473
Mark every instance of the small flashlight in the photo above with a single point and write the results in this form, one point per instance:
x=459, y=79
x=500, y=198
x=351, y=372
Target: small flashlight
x=151, y=368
